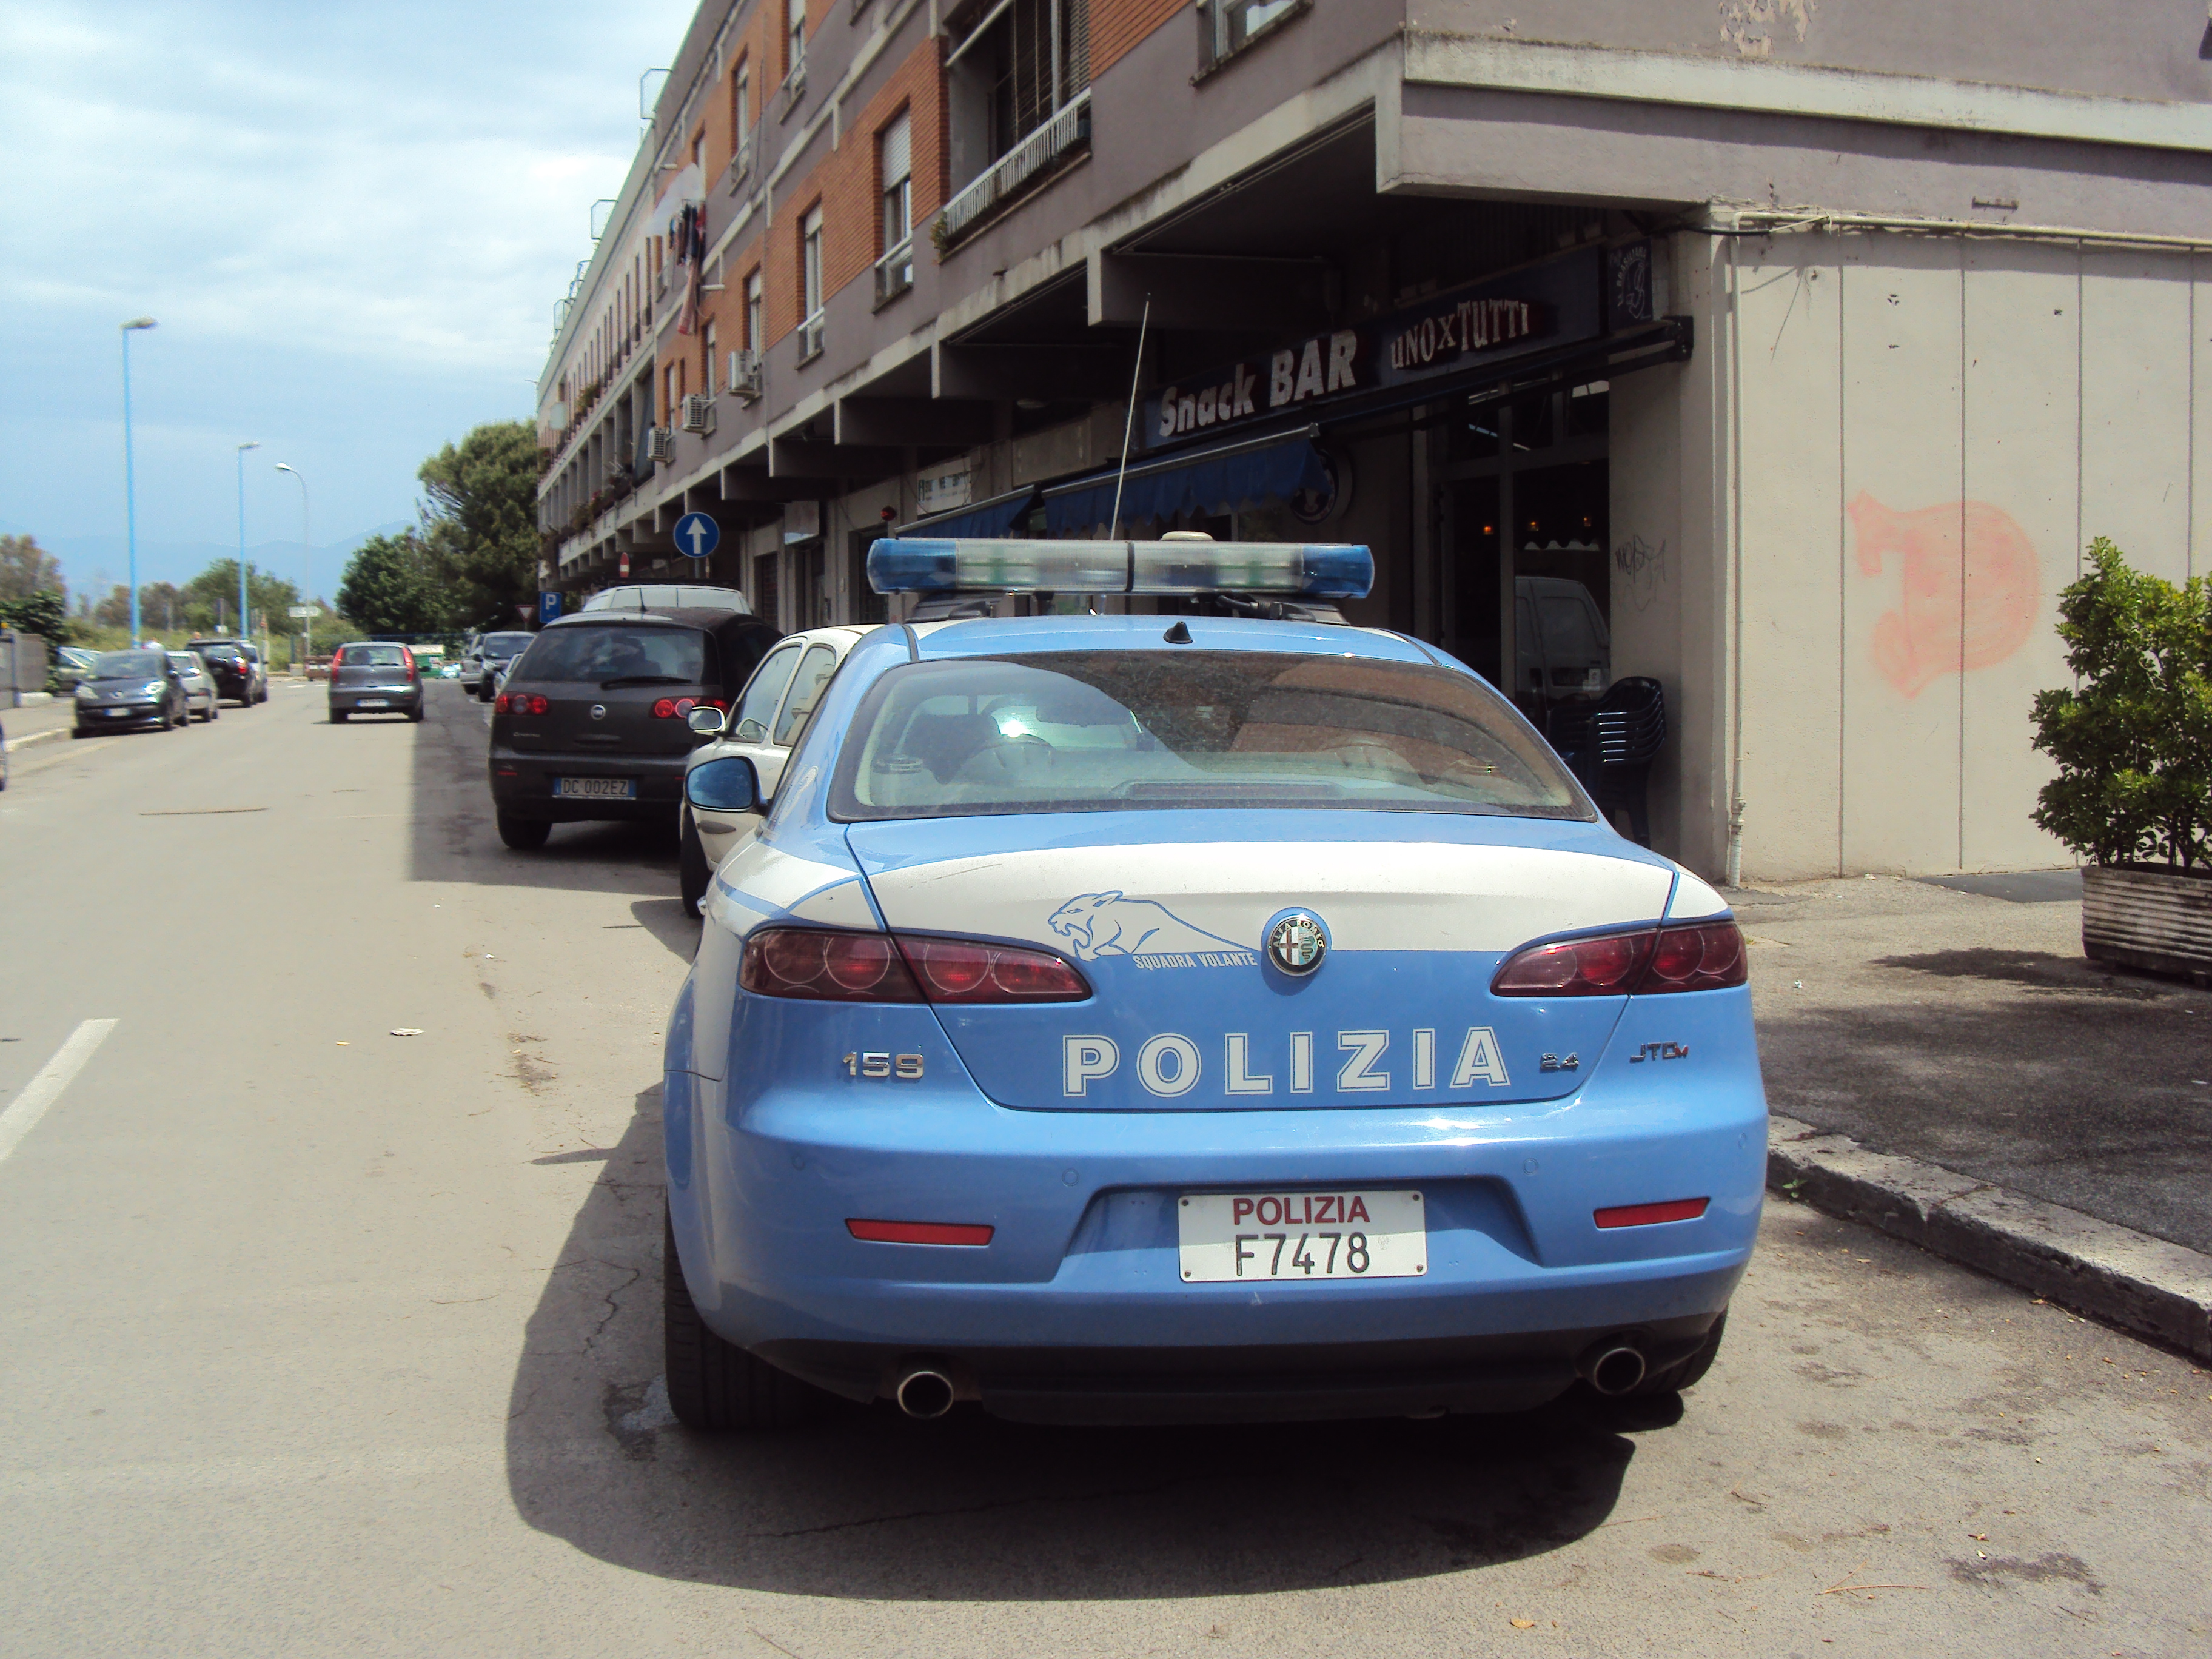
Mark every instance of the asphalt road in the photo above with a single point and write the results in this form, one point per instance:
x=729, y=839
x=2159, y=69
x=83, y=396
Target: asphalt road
x=314, y=1339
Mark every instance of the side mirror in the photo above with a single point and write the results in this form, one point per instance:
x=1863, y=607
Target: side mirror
x=707, y=722
x=727, y=785
x=751, y=732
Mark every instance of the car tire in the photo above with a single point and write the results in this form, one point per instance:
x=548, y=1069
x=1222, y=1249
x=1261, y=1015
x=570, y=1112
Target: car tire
x=1686, y=1374
x=337, y=717
x=524, y=834
x=713, y=1385
x=693, y=874
x=77, y=734
x=416, y=713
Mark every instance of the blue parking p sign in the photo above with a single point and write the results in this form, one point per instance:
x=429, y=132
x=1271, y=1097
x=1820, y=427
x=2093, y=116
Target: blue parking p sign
x=696, y=535
x=549, y=608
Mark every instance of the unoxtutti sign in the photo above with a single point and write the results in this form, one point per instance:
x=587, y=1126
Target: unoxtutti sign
x=1557, y=302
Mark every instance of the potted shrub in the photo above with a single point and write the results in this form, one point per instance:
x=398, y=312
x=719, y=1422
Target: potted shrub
x=2133, y=741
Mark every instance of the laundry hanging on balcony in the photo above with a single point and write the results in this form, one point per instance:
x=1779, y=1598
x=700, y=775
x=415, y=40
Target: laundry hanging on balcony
x=687, y=242
x=1223, y=480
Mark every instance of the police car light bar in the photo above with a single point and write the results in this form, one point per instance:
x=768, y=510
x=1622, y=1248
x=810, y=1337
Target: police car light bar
x=1319, y=570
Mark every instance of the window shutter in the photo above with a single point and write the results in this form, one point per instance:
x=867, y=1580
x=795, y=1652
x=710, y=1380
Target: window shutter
x=897, y=152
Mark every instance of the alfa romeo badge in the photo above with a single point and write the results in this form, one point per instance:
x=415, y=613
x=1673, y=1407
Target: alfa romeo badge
x=1296, y=944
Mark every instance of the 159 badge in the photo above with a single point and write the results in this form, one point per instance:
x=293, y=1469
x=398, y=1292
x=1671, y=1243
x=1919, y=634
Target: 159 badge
x=906, y=1067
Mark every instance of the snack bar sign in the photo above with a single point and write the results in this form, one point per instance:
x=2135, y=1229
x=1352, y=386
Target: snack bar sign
x=1557, y=301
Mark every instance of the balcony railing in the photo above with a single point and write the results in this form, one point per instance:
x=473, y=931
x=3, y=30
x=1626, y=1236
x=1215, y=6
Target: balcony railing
x=740, y=168
x=894, y=271
x=1029, y=163
x=812, y=335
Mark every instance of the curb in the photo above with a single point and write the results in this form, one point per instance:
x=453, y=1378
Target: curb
x=2126, y=1278
x=13, y=743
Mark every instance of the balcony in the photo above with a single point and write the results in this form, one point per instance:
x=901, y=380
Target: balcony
x=1027, y=165
x=740, y=168
x=895, y=272
x=813, y=334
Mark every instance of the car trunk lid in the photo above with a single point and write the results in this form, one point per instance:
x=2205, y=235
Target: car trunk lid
x=1168, y=916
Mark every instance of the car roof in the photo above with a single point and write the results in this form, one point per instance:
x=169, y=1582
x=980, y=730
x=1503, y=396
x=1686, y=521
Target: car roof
x=991, y=635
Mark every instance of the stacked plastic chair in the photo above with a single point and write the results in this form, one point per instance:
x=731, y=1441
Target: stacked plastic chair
x=1610, y=745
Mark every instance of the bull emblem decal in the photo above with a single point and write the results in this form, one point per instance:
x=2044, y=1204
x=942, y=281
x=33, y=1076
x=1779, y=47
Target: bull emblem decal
x=1969, y=587
x=1107, y=925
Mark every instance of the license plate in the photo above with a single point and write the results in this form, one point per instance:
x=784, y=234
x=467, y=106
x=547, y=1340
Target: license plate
x=119, y=714
x=1235, y=1236
x=596, y=788
x=373, y=702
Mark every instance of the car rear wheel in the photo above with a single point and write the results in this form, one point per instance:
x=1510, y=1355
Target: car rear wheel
x=524, y=834
x=711, y=1384
x=416, y=713
x=691, y=868
x=337, y=717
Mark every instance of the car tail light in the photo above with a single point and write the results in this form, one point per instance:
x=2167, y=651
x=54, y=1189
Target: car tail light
x=1603, y=966
x=499, y=703
x=1704, y=957
x=967, y=971
x=675, y=708
x=407, y=661
x=836, y=966
x=520, y=702
x=1649, y=1215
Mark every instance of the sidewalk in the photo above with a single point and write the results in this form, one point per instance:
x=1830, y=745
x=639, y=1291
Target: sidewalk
x=40, y=723
x=1943, y=1062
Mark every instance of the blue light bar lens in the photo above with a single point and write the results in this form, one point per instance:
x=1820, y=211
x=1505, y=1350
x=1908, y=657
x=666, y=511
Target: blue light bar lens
x=1319, y=570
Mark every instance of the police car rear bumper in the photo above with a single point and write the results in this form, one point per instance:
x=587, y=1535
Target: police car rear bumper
x=1077, y=1310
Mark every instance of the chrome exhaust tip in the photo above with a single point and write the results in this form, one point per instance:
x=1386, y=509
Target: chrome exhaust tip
x=1616, y=1371
x=923, y=1393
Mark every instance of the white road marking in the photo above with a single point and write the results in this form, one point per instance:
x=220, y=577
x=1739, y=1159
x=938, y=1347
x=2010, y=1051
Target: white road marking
x=23, y=1116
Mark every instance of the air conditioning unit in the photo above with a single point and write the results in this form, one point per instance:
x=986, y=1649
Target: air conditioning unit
x=698, y=412
x=745, y=375
x=660, y=444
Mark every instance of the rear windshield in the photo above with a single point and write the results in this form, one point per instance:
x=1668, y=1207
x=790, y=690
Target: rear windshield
x=130, y=665
x=185, y=661
x=506, y=645
x=217, y=652
x=372, y=656
x=1107, y=731
x=613, y=654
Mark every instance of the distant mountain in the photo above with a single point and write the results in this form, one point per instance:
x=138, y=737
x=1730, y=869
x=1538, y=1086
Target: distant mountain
x=93, y=564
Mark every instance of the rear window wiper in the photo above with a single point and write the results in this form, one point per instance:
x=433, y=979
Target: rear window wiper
x=643, y=679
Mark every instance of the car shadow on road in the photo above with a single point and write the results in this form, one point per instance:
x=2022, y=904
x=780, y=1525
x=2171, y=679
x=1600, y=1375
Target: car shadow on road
x=454, y=837
x=665, y=919
x=863, y=1503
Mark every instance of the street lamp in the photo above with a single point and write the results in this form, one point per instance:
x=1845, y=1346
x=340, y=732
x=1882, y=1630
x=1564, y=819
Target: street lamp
x=307, y=570
x=244, y=617
x=130, y=482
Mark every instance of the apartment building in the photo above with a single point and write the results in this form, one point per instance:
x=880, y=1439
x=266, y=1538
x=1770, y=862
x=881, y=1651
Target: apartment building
x=1785, y=352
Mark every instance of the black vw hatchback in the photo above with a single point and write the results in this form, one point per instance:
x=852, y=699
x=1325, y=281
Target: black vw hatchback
x=590, y=724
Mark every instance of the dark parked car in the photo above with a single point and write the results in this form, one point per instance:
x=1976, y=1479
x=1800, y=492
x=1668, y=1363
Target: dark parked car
x=368, y=678
x=236, y=666
x=487, y=656
x=591, y=724
x=131, y=688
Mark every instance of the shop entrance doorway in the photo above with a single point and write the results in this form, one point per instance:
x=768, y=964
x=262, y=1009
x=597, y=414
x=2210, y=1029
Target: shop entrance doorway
x=1527, y=600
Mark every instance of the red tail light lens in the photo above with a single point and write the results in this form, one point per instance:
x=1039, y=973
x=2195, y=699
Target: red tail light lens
x=841, y=966
x=1704, y=957
x=966, y=970
x=407, y=661
x=499, y=704
x=1650, y=1215
x=1605, y=967
x=520, y=702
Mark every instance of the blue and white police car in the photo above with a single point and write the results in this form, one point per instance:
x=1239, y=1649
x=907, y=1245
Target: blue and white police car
x=1231, y=1016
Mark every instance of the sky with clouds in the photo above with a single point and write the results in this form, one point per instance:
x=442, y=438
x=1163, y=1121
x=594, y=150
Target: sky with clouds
x=351, y=220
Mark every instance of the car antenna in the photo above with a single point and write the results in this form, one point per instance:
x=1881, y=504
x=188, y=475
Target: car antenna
x=1129, y=424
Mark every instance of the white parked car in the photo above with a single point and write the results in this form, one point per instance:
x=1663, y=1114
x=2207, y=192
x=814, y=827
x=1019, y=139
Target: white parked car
x=770, y=715
x=200, y=697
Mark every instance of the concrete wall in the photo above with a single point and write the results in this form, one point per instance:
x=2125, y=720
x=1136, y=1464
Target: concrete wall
x=1931, y=429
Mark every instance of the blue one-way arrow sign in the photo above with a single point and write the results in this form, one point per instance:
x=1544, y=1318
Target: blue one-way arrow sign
x=697, y=534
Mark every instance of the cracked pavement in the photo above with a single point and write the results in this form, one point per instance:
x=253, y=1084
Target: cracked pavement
x=313, y=1348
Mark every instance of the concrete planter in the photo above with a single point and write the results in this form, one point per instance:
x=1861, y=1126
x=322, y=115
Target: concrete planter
x=2149, y=917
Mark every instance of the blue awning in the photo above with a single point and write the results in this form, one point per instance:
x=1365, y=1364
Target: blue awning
x=1215, y=480
x=979, y=520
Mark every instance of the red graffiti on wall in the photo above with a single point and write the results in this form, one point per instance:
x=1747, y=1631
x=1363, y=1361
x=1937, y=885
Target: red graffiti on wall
x=1942, y=625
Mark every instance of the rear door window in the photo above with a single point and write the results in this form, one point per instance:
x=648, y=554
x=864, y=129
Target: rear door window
x=614, y=654
x=763, y=692
x=814, y=672
x=371, y=656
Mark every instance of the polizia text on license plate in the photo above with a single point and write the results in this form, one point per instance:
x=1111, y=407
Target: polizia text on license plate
x=1281, y=1236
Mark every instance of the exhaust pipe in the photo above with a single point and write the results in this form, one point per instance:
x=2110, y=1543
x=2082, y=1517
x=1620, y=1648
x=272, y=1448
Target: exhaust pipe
x=923, y=1392
x=1616, y=1371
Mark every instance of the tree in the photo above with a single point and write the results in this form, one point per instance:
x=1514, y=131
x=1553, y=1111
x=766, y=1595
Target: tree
x=26, y=569
x=389, y=587
x=480, y=522
x=114, y=610
x=215, y=594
